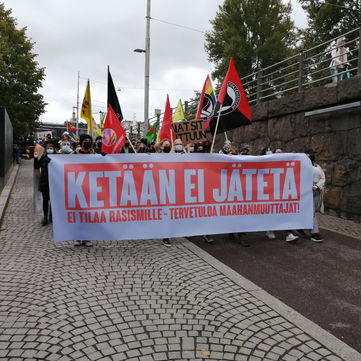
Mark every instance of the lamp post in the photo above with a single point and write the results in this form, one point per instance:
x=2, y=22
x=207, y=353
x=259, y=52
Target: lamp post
x=146, y=51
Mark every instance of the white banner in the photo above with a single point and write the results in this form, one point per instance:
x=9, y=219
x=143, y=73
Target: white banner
x=143, y=196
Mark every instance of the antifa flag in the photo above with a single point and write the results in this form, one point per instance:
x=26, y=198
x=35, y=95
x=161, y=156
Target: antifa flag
x=207, y=102
x=113, y=98
x=232, y=103
x=114, y=135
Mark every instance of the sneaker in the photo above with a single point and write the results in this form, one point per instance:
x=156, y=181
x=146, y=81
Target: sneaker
x=87, y=243
x=208, y=239
x=301, y=233
x=166, y=242
x=316, y=237
x=291, y=237
x=77, y=243
x=232, y=236
x=270, y=235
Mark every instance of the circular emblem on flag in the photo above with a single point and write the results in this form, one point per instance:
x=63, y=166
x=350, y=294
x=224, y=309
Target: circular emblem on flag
x=208, y=106
x=232, y=98
x=109, y=137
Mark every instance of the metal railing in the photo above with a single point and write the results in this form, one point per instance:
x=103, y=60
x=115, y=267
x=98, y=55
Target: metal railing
x=309, y=68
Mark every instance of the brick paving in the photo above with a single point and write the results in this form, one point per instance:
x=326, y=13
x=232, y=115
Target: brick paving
x=339, y=225
x=134, y=300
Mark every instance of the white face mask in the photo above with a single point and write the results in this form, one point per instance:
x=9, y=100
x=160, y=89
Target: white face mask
x=191, y=150
x=268, y=152
x=50, y=151
x=178, y=147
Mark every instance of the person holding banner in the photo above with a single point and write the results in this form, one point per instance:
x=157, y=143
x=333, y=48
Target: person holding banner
x=178, y=146
x=164, y=146
x=86, y=142
x=42, y=164
x=318, y=189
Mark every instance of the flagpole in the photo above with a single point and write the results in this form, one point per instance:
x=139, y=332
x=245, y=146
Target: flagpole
x=131, y=144
x=215, y=94
x=215, y=131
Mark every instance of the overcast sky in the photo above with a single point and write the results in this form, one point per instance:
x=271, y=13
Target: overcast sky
x=88, y=35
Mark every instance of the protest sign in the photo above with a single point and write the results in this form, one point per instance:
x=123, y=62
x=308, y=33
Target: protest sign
x=190, y=131
x=141, y=196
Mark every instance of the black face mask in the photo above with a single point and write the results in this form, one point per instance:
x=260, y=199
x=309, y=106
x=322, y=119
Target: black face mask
x=87, y=145
x=99, y=145
x=312, y=158
x=166, y=149
x=141, y=150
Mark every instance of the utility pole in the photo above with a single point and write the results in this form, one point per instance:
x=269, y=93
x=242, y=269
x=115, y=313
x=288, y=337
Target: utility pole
x=147, y=63
x=77, y=108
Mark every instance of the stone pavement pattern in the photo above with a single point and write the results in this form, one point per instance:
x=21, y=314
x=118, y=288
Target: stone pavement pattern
x=128, y=300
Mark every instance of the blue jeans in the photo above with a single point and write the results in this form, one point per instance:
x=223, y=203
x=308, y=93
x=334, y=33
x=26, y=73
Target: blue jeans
x=336, y=76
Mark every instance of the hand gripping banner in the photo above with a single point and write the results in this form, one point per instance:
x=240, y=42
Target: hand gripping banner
x=145, y=196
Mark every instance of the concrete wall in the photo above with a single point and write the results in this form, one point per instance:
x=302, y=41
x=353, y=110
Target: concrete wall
x=6, y=146
x=335, y=135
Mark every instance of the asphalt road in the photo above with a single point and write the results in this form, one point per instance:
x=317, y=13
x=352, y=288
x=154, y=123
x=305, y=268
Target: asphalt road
x=322, y=281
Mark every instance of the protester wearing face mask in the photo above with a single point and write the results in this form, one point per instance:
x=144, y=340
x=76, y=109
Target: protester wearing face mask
x=98, y=144
x=227, y=146
x=164, y=146
x=178, y=146
x=42, y=164
x=65, y=147
x=189, y=148
x=199, y=147
x=86, y=142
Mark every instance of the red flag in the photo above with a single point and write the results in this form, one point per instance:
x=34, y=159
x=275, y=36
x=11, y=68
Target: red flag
x=232, y=100
x=113, y=133
x=71, y=127
x=167, y=131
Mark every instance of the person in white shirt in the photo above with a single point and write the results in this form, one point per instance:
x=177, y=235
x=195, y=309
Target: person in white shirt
x=339, y=60
x=317, y=188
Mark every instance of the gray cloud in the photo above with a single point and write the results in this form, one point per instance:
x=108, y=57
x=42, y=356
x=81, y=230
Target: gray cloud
x=87, y=36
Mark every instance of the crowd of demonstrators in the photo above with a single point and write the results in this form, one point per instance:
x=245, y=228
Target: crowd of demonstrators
x=68, y=145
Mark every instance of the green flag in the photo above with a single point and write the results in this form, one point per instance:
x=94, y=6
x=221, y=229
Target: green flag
x=152, y=133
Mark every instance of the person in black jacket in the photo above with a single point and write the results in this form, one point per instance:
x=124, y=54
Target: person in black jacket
x=42, y=163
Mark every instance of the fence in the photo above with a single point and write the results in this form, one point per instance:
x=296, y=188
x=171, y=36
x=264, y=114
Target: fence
x=310, y=68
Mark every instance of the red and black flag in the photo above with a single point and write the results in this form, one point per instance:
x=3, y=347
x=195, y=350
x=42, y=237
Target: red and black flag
x=232, y=103
x=113, y=98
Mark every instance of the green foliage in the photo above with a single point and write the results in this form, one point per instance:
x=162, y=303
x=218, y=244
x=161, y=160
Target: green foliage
x=20, y=76
x=329, y=19
x=256, y=33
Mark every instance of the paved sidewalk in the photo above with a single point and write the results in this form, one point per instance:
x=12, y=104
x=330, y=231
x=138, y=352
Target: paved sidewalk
x=137, y=301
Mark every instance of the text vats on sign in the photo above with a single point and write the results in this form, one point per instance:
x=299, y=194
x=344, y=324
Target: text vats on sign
x=190, y=131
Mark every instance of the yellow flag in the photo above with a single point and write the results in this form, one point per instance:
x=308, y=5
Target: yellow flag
x=95, y=128
x=179, y=113
x=86, y=110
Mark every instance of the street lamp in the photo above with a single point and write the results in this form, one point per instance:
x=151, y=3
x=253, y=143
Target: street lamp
x=146, y=51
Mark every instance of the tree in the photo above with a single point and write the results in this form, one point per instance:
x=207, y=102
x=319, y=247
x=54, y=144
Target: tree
x=20, y=76
x=256, y=33
x=329, y=19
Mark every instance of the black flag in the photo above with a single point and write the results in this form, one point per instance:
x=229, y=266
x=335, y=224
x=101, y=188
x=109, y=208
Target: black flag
x=113, y=98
